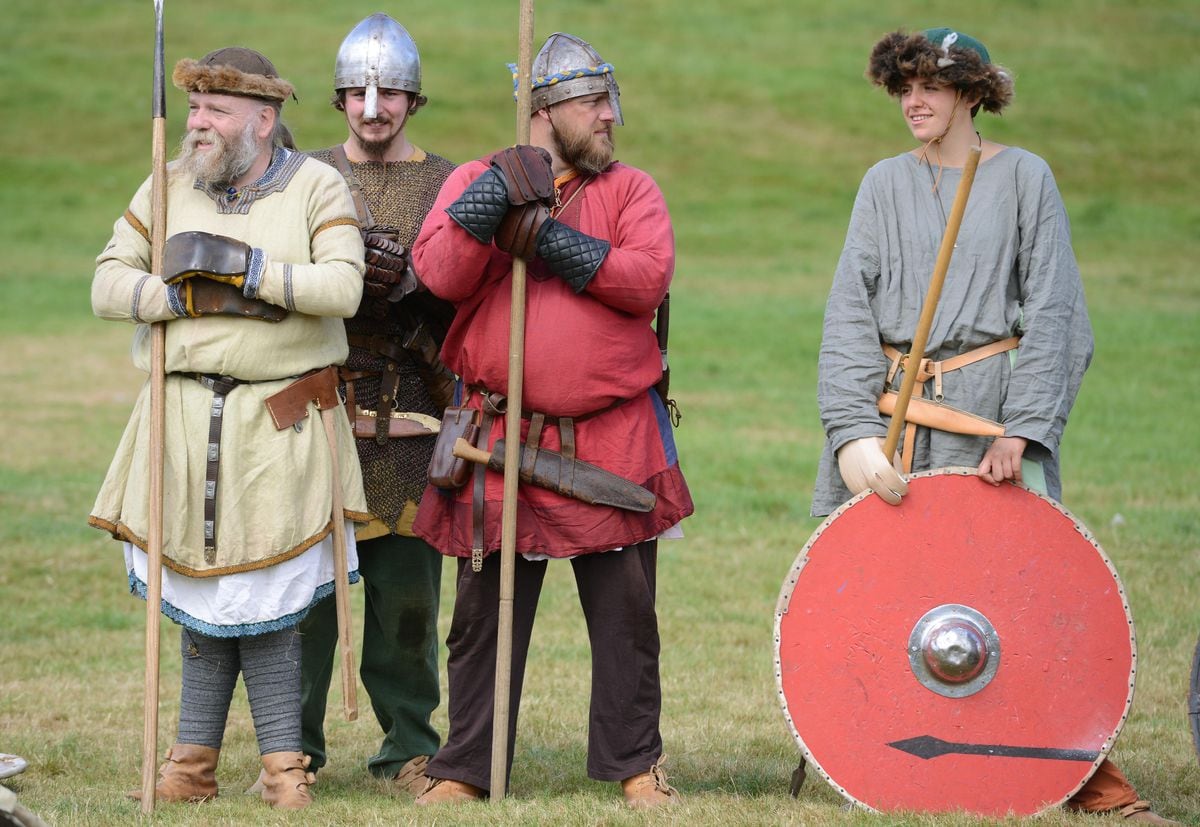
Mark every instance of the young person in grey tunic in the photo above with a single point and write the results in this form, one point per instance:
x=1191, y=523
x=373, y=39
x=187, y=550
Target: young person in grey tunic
x=1013, y=287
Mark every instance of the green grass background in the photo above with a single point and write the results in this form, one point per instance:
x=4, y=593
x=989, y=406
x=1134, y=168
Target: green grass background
x=754, y=118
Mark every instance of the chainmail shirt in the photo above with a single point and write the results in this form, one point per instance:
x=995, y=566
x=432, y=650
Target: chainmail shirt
x=399, y=194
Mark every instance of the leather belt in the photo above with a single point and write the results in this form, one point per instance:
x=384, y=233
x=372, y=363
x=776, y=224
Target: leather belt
x=221, y=386
x=393, y=354
x=498, y=403
x=930, y=369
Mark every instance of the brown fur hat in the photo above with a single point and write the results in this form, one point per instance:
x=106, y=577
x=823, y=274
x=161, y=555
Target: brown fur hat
x=898, y=57
x=234, y=70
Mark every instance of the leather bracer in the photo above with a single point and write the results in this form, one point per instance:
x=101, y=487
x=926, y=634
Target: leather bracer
x=481, y=207
x=573, y=256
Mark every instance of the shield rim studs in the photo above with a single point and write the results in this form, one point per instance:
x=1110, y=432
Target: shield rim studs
x=937, y=619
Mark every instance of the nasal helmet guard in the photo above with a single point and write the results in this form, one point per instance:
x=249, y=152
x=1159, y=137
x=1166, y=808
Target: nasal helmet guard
x=378, y=53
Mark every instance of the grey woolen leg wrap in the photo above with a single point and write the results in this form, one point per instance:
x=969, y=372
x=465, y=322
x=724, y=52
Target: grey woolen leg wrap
x=210, y=670
x=271, y=670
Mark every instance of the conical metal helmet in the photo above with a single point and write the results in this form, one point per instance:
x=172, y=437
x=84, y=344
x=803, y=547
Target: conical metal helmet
x=567, y=67
x=378, y=53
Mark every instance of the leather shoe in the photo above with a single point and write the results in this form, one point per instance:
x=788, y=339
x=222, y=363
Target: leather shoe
x=650, y=788
x=448, y=791
x=411, y=779
x=1140, y=812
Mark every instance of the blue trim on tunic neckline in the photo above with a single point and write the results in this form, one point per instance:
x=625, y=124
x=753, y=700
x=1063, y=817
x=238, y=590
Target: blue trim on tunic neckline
x=138, y=587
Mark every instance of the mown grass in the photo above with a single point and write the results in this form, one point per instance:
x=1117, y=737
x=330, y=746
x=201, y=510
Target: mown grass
x=755, y=120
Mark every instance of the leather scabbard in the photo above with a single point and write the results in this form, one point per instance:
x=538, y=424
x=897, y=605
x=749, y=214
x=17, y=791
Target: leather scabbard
x=941, y=417
x=400, y=424
x=577, y=479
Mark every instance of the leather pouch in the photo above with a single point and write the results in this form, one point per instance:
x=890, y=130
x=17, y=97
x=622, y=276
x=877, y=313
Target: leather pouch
x=445, y=469
x=290, y=405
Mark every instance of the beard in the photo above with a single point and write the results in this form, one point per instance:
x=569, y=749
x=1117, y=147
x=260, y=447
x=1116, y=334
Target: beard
x=222, y=163
x=583, y=150
x=376, y=149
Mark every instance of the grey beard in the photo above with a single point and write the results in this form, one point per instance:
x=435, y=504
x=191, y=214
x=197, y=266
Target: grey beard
x=225, y=162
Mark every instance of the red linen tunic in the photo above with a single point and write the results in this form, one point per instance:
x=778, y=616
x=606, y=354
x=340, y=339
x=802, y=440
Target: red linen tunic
x=595, y=351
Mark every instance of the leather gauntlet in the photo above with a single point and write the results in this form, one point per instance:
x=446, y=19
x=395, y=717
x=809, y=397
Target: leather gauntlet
x=205, y=297
x=518, y=230
x=212, y=256
x=389, y=266
x=526, y=173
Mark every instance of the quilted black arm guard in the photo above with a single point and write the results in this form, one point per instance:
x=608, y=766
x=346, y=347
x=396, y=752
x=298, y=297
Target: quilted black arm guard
x=481, y=207
x=570, y=254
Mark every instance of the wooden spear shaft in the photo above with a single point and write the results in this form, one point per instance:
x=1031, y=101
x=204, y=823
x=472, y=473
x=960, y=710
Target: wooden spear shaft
x=921, y=336
x=158, y=349
x=512, y=429
x=341, y=576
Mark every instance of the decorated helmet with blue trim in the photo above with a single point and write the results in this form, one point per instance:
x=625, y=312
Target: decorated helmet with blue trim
x=567, y=67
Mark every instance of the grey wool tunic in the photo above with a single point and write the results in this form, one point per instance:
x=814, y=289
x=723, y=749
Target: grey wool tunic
x=1013, y=273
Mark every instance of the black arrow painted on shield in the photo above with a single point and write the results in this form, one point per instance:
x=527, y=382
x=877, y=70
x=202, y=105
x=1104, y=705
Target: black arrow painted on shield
x=927, y=746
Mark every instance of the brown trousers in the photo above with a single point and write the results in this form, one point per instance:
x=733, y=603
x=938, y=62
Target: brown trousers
x=1106, y=790
x=616, y=592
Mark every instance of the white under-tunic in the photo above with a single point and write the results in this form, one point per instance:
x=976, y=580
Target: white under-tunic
x=251, y=602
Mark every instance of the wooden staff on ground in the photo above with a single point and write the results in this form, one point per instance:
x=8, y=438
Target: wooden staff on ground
x=512, y=430
x=158, y=349
x=341, y=575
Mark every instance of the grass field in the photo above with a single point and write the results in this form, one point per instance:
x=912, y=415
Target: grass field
x=756, y=121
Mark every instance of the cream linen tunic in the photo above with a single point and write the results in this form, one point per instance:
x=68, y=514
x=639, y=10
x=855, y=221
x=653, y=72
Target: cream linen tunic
x=274, y=495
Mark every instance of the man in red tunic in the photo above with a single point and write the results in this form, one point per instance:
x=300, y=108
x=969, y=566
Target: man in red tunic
x=600, y=248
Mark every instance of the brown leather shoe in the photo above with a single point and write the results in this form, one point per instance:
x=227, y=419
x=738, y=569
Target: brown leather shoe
x=411, y=780
x=257, y=787
x=447, y=791
x=1140, y=812
x=287, y=779
x=188, y=774
x=650, y=788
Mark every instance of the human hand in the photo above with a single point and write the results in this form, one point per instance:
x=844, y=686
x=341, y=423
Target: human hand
x=1002, y=460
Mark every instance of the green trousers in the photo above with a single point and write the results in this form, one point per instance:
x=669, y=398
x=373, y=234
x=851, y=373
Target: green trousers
x=399, y=664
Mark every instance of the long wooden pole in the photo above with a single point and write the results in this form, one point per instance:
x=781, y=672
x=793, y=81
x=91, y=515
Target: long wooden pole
x=512, y=430
x=917, y=352
x=158, y=350
x=341, y=577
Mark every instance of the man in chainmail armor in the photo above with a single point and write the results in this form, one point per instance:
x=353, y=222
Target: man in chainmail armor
x=396, y=390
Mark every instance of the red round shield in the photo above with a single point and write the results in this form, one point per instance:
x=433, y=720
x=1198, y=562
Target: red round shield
x=971, y=649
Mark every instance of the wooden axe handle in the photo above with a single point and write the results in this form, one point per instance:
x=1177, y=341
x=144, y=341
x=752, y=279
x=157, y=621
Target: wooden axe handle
x=465, y=450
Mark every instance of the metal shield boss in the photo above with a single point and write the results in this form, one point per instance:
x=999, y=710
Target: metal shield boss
x=970, y=649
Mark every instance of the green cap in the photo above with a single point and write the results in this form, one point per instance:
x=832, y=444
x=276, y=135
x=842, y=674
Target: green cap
x=943, y=38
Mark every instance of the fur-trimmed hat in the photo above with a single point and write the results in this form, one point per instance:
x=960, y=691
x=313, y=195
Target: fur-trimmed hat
x=234, y=70
x=945, y=55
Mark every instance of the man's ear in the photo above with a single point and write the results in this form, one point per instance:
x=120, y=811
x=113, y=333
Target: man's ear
x=266, y=122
